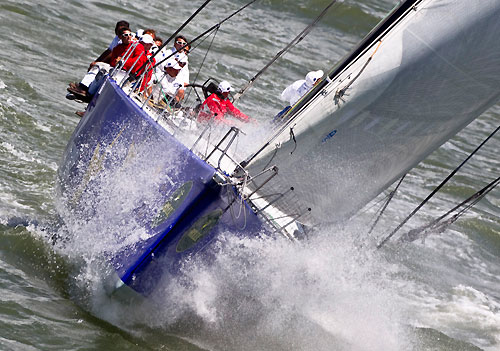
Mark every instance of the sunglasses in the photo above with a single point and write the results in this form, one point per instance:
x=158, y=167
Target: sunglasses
x=180, y=42
x=126, y=34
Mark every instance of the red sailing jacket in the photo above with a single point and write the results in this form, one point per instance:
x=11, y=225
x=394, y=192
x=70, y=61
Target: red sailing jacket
x=148, y=65
x=138, y=52
x=121, y=49
x=216, y=107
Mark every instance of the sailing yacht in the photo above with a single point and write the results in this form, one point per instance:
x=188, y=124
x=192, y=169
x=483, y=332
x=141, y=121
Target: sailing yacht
x=421, y=75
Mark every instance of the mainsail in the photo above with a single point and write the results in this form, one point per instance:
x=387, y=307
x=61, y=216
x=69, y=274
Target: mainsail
x=424, y=73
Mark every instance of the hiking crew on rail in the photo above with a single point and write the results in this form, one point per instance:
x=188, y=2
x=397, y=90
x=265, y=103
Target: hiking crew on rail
x=138, y=53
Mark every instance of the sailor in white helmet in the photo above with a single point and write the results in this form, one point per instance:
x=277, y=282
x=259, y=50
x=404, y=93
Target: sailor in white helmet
x=171, y=83
x=217, y=105
x=180, y=46
x=295, y=91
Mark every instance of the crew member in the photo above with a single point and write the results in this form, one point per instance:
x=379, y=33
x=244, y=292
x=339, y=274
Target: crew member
x=123, y=48
x=171, y=82
x=299, y=88
x=101, y=64
x=146, y=61
x=105, y=56
x=180, y=46
x=217, y=105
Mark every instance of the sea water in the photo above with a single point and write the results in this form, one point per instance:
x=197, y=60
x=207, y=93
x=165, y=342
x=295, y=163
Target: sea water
x=334, y=291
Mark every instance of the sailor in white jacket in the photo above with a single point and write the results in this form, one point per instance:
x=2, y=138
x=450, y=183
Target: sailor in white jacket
x=295, y=91
x=171, y=82
x=179, y=47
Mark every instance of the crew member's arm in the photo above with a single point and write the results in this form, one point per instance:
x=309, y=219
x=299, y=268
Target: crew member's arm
x=104, y=57
x=236, y=113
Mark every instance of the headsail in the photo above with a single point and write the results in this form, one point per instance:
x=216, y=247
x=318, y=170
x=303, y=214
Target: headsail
x=435, y=70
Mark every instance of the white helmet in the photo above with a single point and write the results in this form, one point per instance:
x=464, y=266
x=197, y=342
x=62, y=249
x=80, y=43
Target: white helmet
x=181, y=58
x=147, y=39
x=313, y=76
x=172, y=62
x=225, y=87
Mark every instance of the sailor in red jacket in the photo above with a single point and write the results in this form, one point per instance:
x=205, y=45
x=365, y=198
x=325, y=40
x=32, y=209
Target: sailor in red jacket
x=121, y=49
x=217, y=105
x=146, y=62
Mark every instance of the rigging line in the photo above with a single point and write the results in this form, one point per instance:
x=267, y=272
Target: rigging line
x=216, y=26
x=231, y=201
x=341, y=92
x=292, y=136
x=174, y=34
x=272, y=157
x=479, y=197
x=391, y=195
x=204, y=59
x=475, y=198
x=372, y=206
x=181, y=27
x=294, y=42
x=382, y=243
x=162, y=93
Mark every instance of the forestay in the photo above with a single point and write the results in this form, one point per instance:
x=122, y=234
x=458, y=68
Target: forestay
x=434, y=67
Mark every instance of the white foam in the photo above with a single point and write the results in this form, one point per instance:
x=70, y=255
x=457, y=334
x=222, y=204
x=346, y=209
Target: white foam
x=43, y=127
x=21, y=155
x=263, y=288
x=470, y=315
x=311, y=293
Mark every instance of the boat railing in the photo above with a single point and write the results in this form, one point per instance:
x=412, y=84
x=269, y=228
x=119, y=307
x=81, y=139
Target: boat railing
x=121, y=63
x=220, y=157
x=252, y=188
x=152, y=99
x=202, y=134
x=270, y=172
x=124, y=80
x=229, y=138
x=271, y=199
x=268, y=203
x=179, y=123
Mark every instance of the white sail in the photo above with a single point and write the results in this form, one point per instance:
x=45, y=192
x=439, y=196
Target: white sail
x=433, y=70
